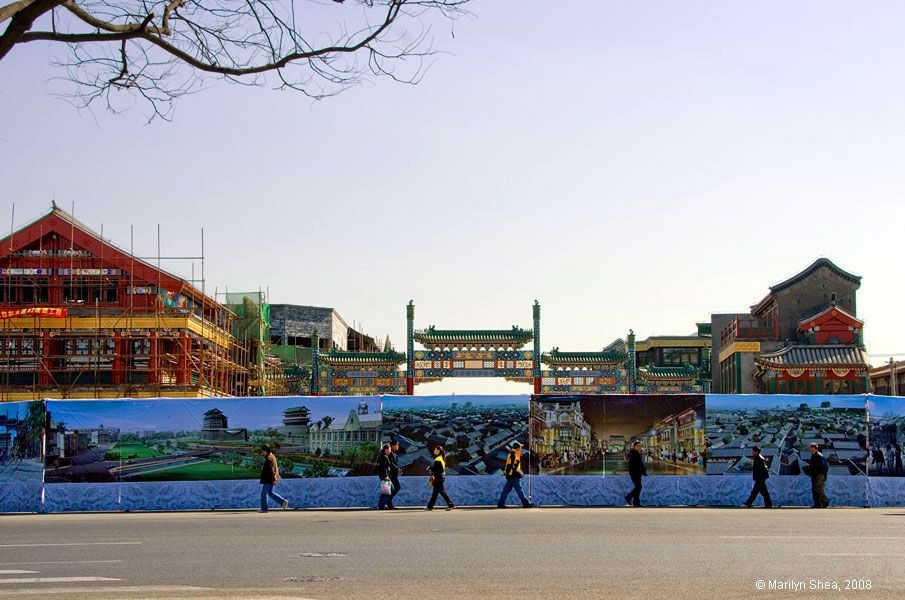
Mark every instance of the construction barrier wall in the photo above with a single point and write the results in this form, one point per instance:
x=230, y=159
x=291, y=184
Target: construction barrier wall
x=201, y=454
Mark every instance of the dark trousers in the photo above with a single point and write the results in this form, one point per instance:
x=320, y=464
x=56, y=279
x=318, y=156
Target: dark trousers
x=634, y=496
x=760, y=487
x=817, y=490
x=439, y=491
x=394, y=479
x=513, y=483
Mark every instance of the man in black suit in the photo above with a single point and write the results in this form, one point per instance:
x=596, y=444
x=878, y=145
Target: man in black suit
x=817, y=471
x=636, y=471
x=394, y=471
x=761, y=474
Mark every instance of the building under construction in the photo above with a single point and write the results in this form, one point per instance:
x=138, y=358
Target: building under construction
x=82, y=318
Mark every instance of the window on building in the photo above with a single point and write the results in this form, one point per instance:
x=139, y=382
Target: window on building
x=681, y=356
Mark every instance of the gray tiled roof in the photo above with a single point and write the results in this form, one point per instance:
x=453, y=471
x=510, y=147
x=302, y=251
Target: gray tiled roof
x=820, y=356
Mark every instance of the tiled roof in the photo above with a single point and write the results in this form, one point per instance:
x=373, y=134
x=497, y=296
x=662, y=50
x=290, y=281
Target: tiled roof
x=557, y=358
x=827, y=356
x=805, y=322
x=820, y=262
x=667, y=373
x=349, y=358
x=431, y=335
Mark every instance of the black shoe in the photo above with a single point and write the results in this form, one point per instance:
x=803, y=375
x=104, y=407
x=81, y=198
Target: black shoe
x=529, y=505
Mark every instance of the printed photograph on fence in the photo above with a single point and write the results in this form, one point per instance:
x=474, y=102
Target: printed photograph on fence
x=475, y=431
x=592, y=435
x=207, y=439
x=783, y=426
x=887, y=434
x=20, y=442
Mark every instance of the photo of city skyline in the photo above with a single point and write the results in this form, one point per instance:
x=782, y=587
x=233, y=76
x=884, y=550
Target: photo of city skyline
x=592, y=435
x=204, y=439
x=886, y=436
x=783, y=426
x=476, y=431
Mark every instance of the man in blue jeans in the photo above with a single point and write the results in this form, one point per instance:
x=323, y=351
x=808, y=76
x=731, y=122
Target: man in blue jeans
x=513, y=474
x=270, y=476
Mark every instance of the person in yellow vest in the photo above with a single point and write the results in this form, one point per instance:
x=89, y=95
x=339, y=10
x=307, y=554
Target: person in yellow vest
x=438, y=475
x=513, y=474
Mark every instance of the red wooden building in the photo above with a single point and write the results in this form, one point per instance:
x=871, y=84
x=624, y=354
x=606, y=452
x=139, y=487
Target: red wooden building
x=130, y=329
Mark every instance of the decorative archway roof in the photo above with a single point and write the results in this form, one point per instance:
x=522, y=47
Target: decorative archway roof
x=433, y=337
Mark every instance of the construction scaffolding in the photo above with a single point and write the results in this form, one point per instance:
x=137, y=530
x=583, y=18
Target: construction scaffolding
x=120, y=326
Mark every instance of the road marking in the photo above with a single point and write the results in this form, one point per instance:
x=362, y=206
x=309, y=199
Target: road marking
x=854, y=554
x=16, y=572
x=166, y=589
x=811, y=537
x=70, y=544
x=55, y=579
x=60, y=562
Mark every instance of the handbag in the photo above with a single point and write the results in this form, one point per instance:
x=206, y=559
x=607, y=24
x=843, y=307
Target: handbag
x=386, y=487
x=430, y=481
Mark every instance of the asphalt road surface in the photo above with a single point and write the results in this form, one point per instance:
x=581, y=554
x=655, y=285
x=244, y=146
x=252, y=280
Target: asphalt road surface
x=466, y=553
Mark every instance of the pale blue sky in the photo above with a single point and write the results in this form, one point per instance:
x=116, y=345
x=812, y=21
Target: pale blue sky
x=630, y=165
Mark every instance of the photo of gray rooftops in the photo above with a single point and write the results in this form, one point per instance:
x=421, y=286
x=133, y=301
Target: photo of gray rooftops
x=783, y=427
x=476, y=431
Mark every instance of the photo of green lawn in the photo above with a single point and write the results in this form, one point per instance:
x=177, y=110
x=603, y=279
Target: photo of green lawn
x=130, y=452
x=199, y=472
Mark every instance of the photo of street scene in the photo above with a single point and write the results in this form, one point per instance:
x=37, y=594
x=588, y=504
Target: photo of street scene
x=783, y=427
x=219, y=438
x=20, y=441
x=592, y=435
x=886, y=436
x=475, y=431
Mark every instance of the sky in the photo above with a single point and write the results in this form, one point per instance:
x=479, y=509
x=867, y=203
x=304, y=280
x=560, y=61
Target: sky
x=629, y=165
x=748, y=402
x=187, y=415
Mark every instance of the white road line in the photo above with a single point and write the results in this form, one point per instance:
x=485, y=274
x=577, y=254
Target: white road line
x=16, y=572
x=854, y=554
x=811, y=537
x=55, y=579
x=70, y=544
x=59, y=562
x=164, y=589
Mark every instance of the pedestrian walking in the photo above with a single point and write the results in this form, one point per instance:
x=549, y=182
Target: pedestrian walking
x=636, y=470
x=760, y=473
x=394, y=472
x=817, y=471
x=898, y=459
x=513, y=474
x=270, y=476
x=438, y=477
x=383, y=473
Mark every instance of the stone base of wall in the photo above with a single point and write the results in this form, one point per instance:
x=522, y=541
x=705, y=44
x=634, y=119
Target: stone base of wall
x=361, y=492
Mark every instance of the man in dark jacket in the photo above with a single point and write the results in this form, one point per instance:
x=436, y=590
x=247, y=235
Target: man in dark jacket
x=383, y=472
x=817, y=471
x=394, y=471
x=761, y=474
x=636, y=470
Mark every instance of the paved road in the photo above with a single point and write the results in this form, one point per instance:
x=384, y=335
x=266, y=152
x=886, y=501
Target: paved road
x=467, y=553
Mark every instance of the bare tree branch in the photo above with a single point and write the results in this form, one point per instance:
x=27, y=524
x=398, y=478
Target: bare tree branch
x=160, y=50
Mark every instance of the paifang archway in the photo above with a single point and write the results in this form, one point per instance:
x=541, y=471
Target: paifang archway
x=472, y=353
x=512, y=354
